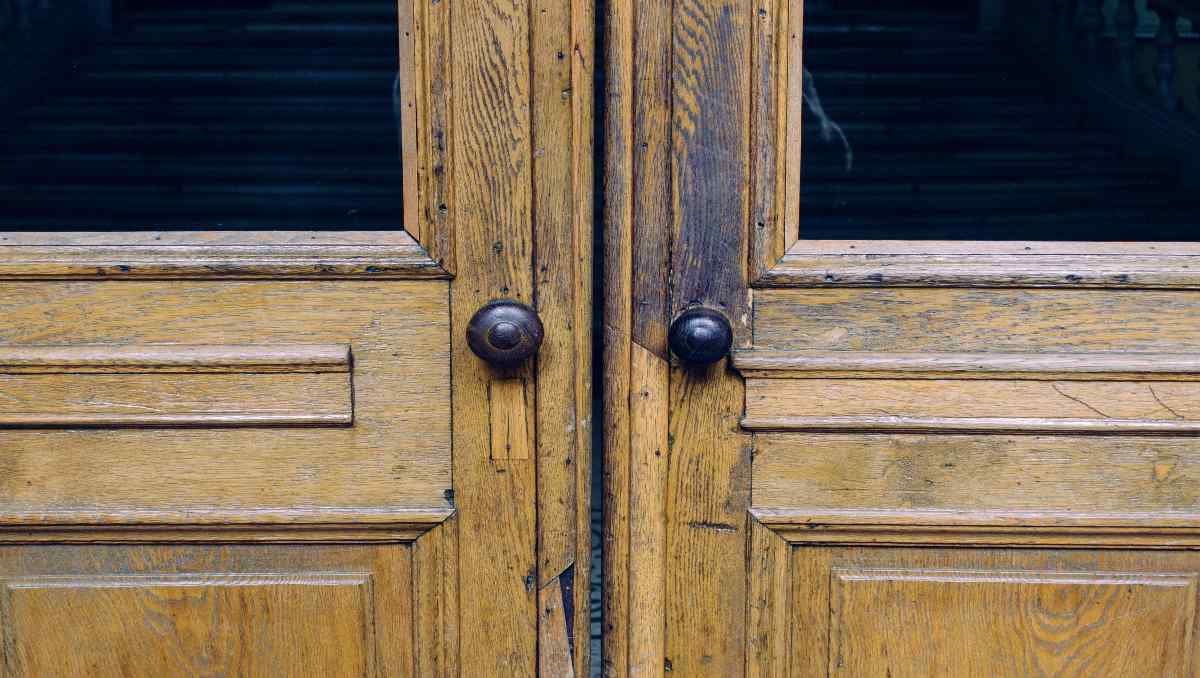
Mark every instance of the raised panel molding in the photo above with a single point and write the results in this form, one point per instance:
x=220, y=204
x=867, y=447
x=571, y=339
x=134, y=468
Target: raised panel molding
x=1083, y=393
x=175, y=386
x=908, y=612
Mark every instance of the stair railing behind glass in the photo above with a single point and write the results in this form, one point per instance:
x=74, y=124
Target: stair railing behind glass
x=1099, y=50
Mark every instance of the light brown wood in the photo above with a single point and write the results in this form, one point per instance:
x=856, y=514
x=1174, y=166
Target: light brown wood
x=649, y=450
x=1149, y=479
x=160, y=610
x=1047, y=366
x=205, y=255
x=198, y=386
x=993, y=612
x=952, y=396
x=479, y=568
x=511, y=424
x=174, y=358
x=977, y=321
x=1088, y=619
x=394, y=457
x=991, y=404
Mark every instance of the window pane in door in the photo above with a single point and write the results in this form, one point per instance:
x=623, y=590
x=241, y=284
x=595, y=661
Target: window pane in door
x=199, y=114
x=1001, y=120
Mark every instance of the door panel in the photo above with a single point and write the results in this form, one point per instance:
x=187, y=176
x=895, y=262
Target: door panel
x=244, y=610
x=274, y=452
x=317, y=398
x=931, y=612
x=912, y=458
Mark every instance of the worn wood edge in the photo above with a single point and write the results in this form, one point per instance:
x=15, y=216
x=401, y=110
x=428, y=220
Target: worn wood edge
x=155, y=358
x=221, y=526
x=982, y=528
x=1102, y=271
x=1032, y=366
x=208, y=259
x=1012, y=425
x=226, y=517
x=57, y=420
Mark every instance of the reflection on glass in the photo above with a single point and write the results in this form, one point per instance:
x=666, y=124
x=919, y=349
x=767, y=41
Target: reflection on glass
x=200, y=114
x=1000, y=120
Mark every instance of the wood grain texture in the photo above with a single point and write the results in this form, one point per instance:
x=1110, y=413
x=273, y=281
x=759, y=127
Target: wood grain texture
x=617, y=141
x=1169, y=407
x=649, y=458
x=583, y=160
x=1039, y=623
x=188, y=610
x=708, y=476
x=433, y=171
x=395, y=457
x=511, y=423
x=492, y=209
x=47, y=401
x=977, y=321
x=208, y=256
x=969, y=612
x=1104, y=266
x=1064, y=476
x=1048, y=366
x=174, y=358
x=776, y=79
x=769, y=607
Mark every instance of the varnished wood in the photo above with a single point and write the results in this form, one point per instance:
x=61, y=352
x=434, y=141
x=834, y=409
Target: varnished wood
x=394, y=456
x=211, y=255
x=956, y=396
x=153, y=610
x=482, y=567
x=1011, y=612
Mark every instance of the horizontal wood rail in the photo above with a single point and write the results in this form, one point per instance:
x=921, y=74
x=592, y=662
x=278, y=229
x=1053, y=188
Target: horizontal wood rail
x=1052, y=393
x=173, y=358
x=175, y=386
x=1037, y=366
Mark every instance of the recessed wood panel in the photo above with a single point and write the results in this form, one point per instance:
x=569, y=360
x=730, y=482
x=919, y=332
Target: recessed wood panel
x=977, y=320
x=973, y=405
x=254, y=625
x=961, y=613
x=392, y=461
x=968, y=623
x=1145, y=480
x=104, y=611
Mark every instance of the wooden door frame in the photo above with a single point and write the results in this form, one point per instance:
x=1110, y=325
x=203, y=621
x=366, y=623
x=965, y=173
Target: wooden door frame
x=701, y=171
x=498, y=183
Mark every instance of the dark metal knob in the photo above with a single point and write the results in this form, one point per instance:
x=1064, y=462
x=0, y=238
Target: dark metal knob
x=701, y=336
x=505, y=332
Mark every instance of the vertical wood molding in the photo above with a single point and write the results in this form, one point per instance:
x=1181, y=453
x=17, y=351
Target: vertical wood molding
x=490, y=200
x=678, y=173
x=431, y=177
x=616, y=330
x=708, y=481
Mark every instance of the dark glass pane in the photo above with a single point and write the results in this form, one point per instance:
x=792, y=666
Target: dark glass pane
x=996, y=120
x=196, y=114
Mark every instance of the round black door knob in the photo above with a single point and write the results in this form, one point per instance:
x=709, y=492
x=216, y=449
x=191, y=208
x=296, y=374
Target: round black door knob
x=505, y=332
x=701, y=336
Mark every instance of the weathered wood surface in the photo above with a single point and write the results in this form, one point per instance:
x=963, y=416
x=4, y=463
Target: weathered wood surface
x=991, y=612
x=245, y=610
x=394, y=456
x=215, y=254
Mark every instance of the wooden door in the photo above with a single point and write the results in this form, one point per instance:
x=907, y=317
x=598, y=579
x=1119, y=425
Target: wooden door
x=273, y=452
x=919, y=458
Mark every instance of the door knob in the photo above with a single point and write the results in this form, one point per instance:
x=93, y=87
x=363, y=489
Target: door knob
x=700, y=336
x=505, y=332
